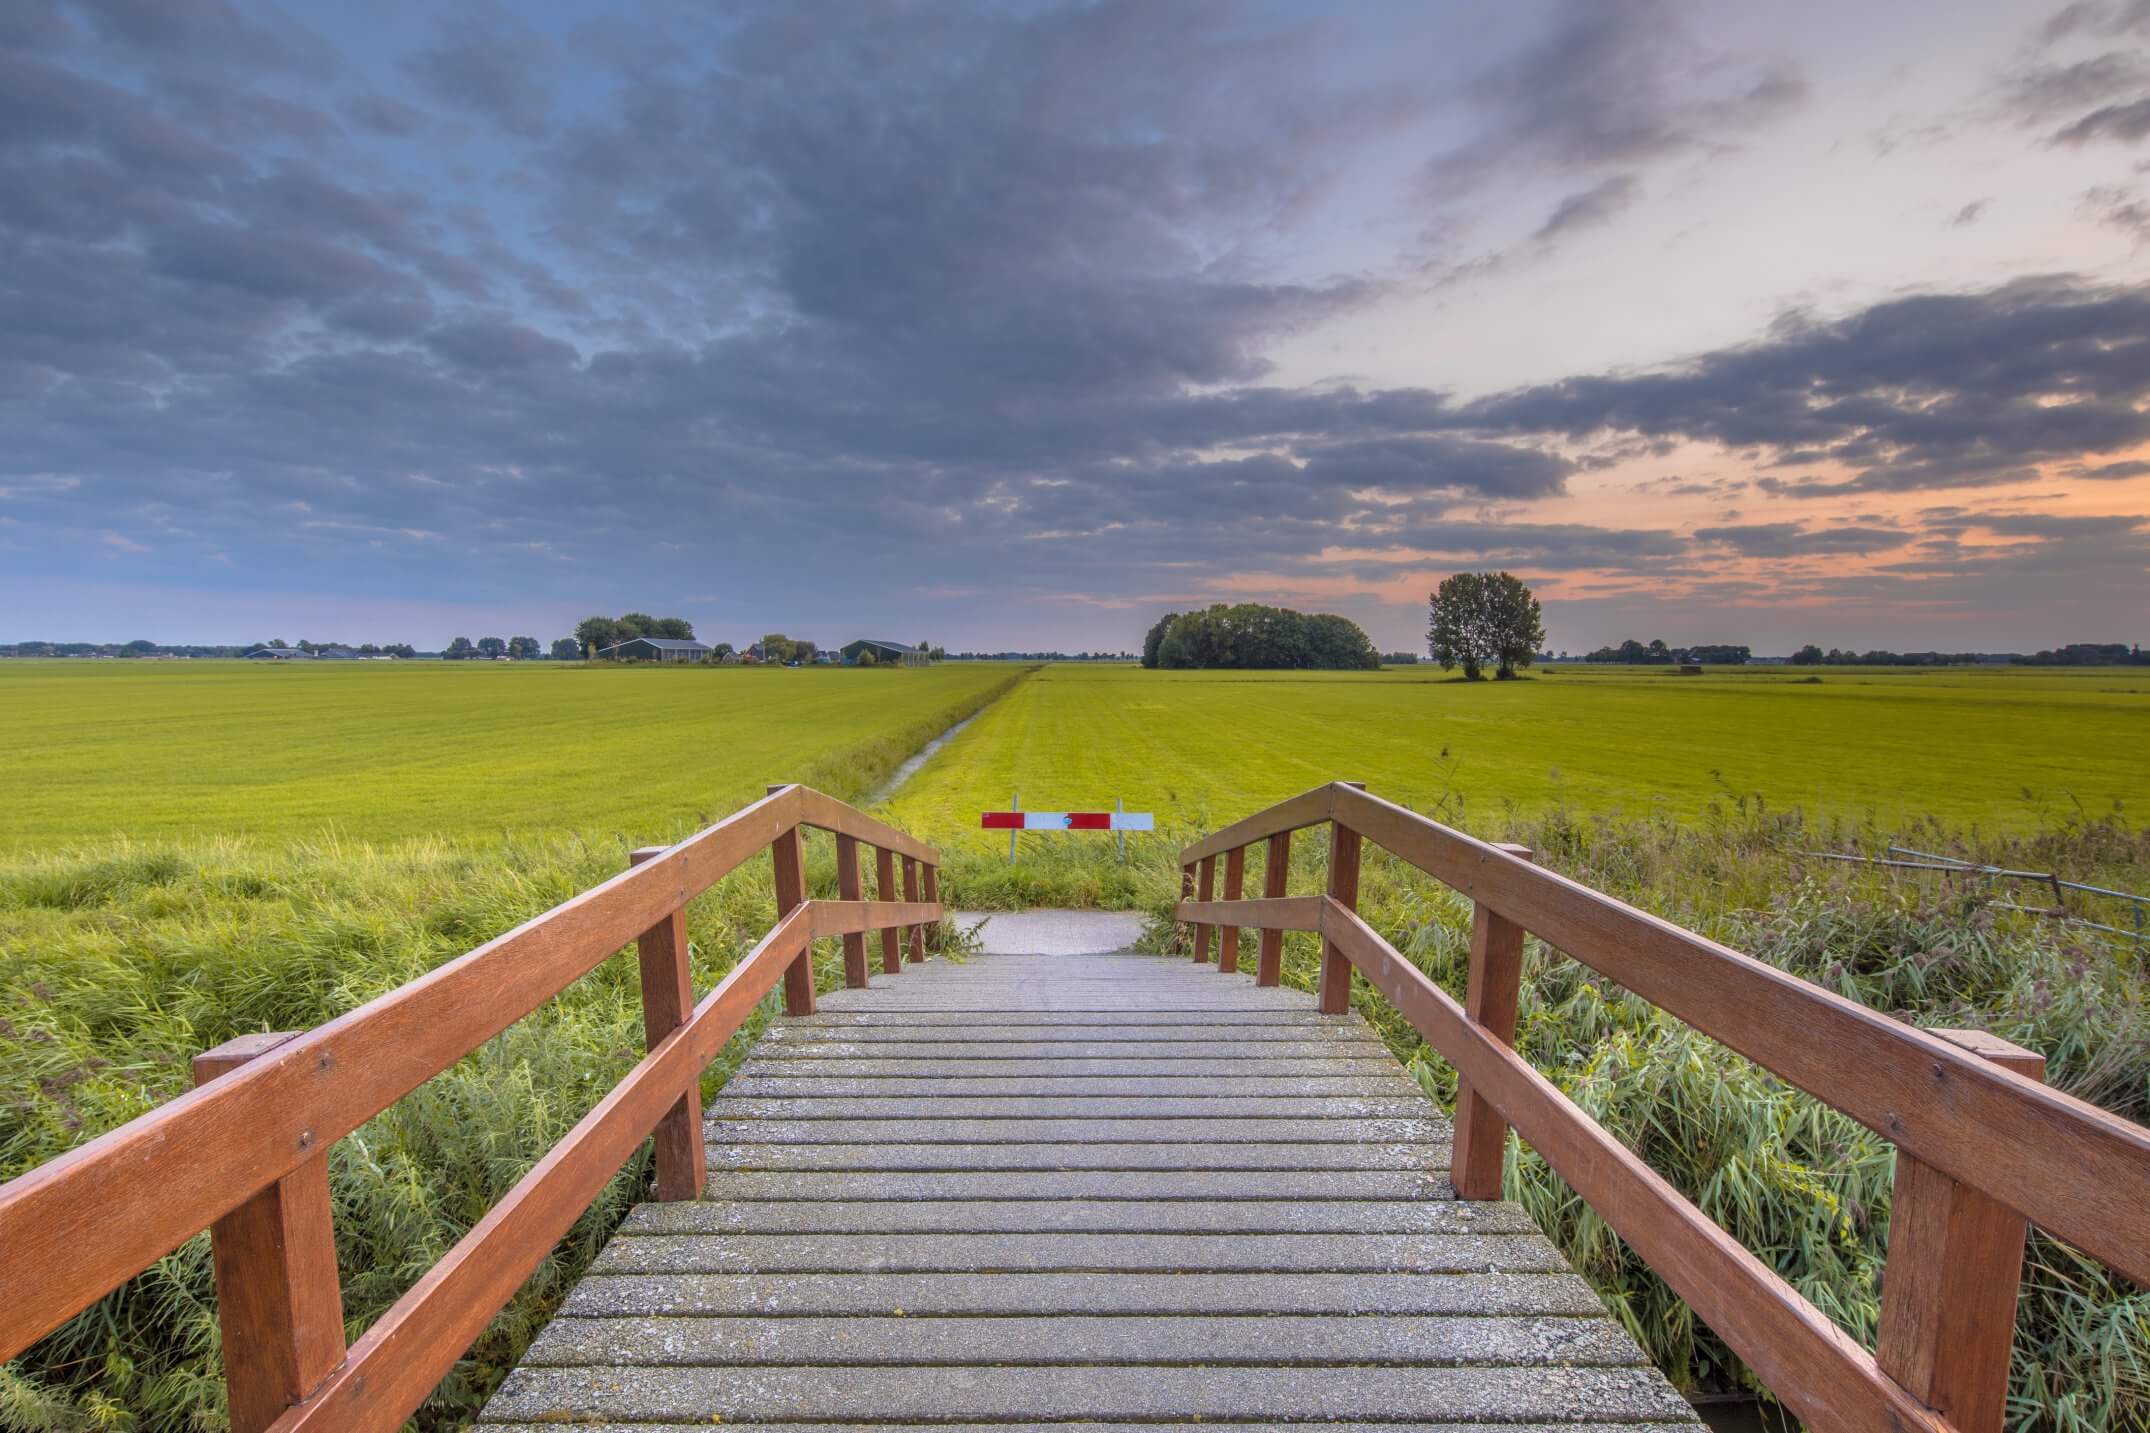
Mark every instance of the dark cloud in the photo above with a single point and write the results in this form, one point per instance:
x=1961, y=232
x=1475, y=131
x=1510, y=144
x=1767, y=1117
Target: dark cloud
x=2100, y=97
x=490, y=69
x=1790, y=539
x=1600, y=204
x=1929, y=391
x=1969, y=214
x=1430, y=463
x=1612, y=85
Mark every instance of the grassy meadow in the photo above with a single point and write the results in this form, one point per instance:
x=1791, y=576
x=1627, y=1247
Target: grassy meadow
x=378, y=751
x=190, y=851
x=2009, y=748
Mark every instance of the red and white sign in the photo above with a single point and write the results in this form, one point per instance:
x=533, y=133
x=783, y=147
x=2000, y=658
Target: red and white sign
x=1068, y=821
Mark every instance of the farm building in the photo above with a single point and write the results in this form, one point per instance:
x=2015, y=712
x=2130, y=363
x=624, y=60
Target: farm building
x=884, y=653
x=655, y=649
x=279, y=654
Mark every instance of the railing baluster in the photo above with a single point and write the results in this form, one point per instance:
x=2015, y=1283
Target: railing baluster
x=1275, y=873
x=1235, y=871
x=884, y=874
x=1206, y=891
x=914, y=934
x=1186, y=894
x=849, y=888
x=788, y=854
x=933, y=897
x=279, y=1301
x=1496, y=984
x=1344, y=889
x=667, y=1001
x=1948, y=1291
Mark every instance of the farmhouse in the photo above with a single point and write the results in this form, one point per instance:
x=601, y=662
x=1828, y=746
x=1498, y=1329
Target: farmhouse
x=655, y=649
x=884, y=653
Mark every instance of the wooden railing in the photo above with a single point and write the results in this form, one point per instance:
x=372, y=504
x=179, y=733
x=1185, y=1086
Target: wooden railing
x=1982, y=1146
x=245, y=1154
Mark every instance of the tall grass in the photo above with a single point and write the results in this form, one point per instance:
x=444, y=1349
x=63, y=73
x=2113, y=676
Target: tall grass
x=1804, y=1187
x=126, y=961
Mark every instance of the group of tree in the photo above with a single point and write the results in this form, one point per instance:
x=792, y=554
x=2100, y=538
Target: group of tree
x=597, y=633
x=1481, y=619
x=1723, y=654
x=2074, y=654
x=522, y=649
x=1251, y=635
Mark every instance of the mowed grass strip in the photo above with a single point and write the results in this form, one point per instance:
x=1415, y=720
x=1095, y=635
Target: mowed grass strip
x=2011, y=748
x=380, y=751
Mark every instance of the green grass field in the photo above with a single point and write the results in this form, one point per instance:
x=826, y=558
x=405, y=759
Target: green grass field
x=2008, y=748
x=193, y=851
x=375, y=751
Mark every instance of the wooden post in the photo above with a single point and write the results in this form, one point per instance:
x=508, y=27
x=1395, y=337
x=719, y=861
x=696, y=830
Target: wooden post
x=279, y=1301
x=915, y=934
x=1235, y=871
x=788, y=854
x=1275, y=873
x=1179, y=932
x=667, y=1002
x=1496, y=988
x=848, y=887
x=1206, y=890
x=1344, y=889
x=884, y=879
x=1948, y=1292
x=933, y=898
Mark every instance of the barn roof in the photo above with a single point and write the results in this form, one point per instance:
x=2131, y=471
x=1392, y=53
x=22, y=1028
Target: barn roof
x=877, y=642
x=662, y=644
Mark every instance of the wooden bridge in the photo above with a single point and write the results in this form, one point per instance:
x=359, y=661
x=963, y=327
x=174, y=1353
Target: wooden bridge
x=1109, y=1190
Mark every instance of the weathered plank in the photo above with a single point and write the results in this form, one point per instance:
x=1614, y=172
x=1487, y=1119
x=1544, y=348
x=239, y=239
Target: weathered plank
x=1019, y=1191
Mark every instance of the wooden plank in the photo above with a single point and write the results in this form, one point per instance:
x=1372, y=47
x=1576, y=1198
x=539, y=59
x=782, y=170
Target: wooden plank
x=1496, y=987
x=1276, y=872
x=1206, y=890
x=1344, y=850
x=667, y=1001
x=787, y=853
x=408, y=1351
x=1948, y=1294
x=181, y=1167
x=826, y=813
x=914, y=934
x=847, y=885
x=1309, y=808
x=884, y=876
x=279, y=1300
x=832, y=918
x=2074, y=1170
x=1260, y=913
x=1825, y=1377
x=1235, y=873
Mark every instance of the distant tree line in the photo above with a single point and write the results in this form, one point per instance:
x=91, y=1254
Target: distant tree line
x=1655, y=650
x=1250, y=635
x=2075, y=654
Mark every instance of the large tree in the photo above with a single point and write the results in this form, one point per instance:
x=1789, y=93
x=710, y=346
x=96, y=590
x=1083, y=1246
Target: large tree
x=1482, y=618
x=523, y=648
x=566, y=649
x=1251, y=635
x=492, y=647
x=596, y=634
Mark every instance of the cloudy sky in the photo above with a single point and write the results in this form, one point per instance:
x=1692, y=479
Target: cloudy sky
x=1016, y=324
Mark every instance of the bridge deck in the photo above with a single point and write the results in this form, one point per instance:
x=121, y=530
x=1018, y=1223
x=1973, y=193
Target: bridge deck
x=1094, y=1189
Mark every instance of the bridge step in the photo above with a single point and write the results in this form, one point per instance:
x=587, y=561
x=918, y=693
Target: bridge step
x=1033, y=1191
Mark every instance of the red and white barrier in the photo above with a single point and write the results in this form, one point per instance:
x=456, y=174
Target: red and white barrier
x=1067, y=821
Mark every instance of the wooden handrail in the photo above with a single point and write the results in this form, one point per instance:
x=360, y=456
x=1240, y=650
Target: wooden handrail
x=1967, y=1115
x=78, y=1226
